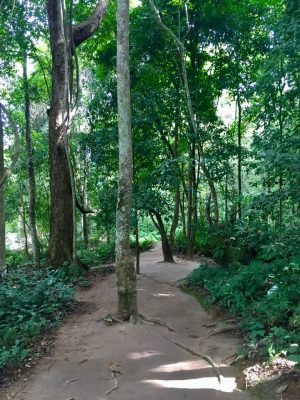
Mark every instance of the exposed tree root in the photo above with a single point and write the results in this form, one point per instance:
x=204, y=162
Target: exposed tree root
x=204, y=356
x=113, y=388
x=114, y=373
x=222, y=329
x=156, y=321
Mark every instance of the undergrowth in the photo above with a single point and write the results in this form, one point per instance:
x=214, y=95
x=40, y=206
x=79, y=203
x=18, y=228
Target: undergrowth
x=31, y=302
x=105, y=252
x=264, y=296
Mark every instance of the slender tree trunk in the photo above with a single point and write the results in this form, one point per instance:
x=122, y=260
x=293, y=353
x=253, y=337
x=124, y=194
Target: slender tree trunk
x=191, y=203
x=182, y=212
x=165, y=243
x=30, y=169
x=239, y=132
x=85, y=223
x=226, y=194
x=207, y=210
x=23, y=222
x=2, y=202
x=181, y=49
x=137, y=243
x=281, y=127
x=126, y=276
x=175, y=218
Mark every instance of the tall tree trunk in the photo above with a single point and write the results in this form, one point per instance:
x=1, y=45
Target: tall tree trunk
x=191, y=212
x=2, y=202
x=64, y=38
x=30, y=169
x=85, y=223
x=137, y=243
x=126, y=276
x=281, y=128
x=226, y=194
x=61, y=206
x=192, y=119
x=239, y=132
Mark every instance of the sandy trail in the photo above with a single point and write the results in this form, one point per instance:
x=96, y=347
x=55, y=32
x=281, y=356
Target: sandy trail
x=150, y=365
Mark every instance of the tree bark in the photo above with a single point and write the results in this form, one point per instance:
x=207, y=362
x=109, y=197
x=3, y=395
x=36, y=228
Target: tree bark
x=30, y=169
x=63, y=39
x=3, y=267
x=126, y=276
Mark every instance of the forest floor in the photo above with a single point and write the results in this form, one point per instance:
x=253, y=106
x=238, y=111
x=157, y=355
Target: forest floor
x=93, y=360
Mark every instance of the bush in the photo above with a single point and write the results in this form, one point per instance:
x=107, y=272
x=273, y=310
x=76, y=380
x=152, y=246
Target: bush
x=104, y=253
x=30, y=303
x=265, y=296
x=14, y=258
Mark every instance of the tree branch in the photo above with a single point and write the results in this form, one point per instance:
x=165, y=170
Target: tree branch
x=87, y=28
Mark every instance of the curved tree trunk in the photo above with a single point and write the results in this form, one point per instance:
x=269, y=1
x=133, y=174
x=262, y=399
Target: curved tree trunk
x=126, y=275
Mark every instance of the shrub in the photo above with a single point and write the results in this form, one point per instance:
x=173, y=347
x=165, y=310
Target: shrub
x=264, y=295
x=104, y=253
x=30, y=303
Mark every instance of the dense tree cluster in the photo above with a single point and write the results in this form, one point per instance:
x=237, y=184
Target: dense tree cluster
x=215, y=119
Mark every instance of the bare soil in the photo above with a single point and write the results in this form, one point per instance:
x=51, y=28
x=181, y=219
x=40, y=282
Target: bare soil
x=93, y=360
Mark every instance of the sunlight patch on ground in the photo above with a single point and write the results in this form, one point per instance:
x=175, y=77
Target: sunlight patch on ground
x=143, y=354
x=164, y=295
x=227, y=385
x=181, y=366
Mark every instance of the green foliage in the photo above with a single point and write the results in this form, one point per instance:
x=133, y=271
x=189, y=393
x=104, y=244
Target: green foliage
x=264, y=296
x=104, y=253
x=30, y=303
x=15, y=258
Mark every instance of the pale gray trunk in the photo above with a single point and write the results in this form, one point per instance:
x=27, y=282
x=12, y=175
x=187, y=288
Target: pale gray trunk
x=30, y=169
x=126, y=276
x=2, y=202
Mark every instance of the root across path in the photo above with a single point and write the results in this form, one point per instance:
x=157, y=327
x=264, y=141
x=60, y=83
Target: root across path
x=160, y=358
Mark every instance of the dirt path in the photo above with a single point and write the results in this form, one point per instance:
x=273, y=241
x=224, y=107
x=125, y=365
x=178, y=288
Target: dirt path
x=151, y=366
